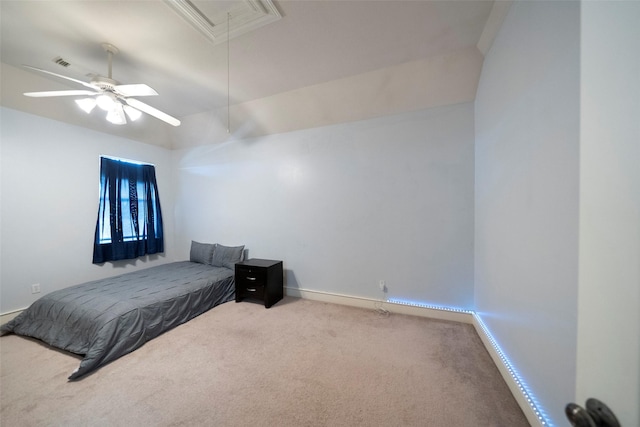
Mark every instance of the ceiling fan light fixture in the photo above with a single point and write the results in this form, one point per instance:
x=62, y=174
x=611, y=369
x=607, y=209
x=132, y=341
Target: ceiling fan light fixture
x=87, y=104
x=116, y=114
x=106, y=102
x=132, y=113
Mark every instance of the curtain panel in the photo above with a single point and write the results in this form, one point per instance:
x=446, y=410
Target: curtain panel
x=129, y=221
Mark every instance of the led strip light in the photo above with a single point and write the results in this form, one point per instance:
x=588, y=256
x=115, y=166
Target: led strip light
x=433, y=307
x=528, y=395
x=526, y=392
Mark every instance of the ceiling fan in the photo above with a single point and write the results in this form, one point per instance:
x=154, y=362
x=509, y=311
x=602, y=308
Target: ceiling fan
x=116, y=99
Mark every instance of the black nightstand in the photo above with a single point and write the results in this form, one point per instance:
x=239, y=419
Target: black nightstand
x=259, y=279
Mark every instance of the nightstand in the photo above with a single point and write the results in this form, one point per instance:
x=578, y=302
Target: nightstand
x=259, y=279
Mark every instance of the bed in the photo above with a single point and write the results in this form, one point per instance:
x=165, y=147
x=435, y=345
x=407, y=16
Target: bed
x=105, y=319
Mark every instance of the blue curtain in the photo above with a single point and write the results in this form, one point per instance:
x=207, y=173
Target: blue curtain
x=129, y=221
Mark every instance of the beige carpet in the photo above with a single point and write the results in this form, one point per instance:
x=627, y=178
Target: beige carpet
x=300, y=363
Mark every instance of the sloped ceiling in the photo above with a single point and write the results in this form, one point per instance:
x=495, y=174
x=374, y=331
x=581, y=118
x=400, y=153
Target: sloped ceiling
x=292, y=72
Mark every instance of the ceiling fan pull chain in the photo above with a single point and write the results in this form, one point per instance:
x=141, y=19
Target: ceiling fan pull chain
x=110, y=63
x=228, y=78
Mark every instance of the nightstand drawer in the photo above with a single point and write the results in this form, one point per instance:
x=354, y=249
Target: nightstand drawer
x=251, y=277
x=251, y=291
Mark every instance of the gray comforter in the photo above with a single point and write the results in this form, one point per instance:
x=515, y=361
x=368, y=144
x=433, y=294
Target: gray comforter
x=105, y=319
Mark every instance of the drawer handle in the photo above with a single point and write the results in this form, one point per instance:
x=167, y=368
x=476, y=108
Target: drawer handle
x=251, y=278
x=251, y=289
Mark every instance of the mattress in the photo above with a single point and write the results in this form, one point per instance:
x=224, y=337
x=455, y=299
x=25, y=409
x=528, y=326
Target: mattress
x=105, y=319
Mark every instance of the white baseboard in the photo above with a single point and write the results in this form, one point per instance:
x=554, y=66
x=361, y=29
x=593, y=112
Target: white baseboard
x=373, y=304
x=510, y=376
x=518, y=392
x=4, y=318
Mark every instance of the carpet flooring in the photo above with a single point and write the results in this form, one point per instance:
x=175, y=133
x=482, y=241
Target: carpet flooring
x=299, y=363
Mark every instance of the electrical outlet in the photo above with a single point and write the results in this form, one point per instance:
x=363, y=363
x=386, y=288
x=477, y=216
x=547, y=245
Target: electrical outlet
x=35, y=288
x=382, y=285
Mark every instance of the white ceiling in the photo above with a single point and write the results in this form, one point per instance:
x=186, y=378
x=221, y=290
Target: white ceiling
x=313, y=42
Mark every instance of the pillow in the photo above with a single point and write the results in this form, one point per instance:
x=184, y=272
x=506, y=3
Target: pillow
x=227, y=256
x=201, y=252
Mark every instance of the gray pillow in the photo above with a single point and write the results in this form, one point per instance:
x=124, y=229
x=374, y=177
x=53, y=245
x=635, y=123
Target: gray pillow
x=201, y=252
x=227, y=256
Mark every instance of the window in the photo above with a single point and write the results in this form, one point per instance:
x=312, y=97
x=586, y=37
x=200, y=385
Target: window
x=129, y=229
x=129, y=221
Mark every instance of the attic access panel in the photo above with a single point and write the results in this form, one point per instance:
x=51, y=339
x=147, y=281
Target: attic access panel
x=210, y=18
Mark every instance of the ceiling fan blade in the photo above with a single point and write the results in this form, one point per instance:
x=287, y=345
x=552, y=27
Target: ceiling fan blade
x=152, y=111
x=140, y=89
x=89, y=85
x=59, y=93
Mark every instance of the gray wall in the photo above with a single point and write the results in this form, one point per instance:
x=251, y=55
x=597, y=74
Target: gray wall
x=526, y=208
x=557, y=244
x=345, y=205
x=609, y=296
x=50, y=184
